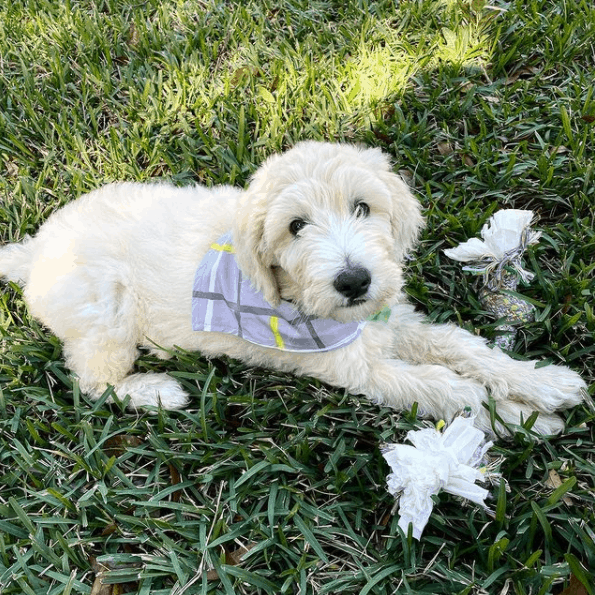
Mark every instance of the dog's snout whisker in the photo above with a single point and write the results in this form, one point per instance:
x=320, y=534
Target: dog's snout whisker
x=353, y=283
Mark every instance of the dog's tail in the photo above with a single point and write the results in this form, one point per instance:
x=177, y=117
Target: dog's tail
x=15, y=260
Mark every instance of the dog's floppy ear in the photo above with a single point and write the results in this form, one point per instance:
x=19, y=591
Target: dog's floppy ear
x=406, y=218
x=252, y=254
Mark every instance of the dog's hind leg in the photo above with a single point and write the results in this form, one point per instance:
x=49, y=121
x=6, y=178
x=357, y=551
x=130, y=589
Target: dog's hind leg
x=100, y=361
x=97, y=318
x=106, y=358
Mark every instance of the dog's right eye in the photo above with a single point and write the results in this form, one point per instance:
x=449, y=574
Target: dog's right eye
x=296, y=226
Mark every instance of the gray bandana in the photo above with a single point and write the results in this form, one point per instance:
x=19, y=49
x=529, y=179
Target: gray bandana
x=224, y=302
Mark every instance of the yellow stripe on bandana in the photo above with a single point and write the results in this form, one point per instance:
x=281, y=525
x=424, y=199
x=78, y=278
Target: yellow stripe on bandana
x=223, y=248
x=274, y=324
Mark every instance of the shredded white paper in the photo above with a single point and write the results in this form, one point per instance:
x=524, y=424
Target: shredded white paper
x=437, y=461
x=505, y=238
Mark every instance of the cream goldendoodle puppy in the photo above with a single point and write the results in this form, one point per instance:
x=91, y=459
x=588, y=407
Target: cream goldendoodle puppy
x=302, y=272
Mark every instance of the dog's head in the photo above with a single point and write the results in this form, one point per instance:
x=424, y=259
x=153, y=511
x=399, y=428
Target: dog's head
x=326, y=226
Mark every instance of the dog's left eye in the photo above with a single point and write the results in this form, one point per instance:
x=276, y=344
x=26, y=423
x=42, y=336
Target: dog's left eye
x=361, y=209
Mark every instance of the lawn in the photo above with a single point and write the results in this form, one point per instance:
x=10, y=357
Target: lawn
x=268, y=483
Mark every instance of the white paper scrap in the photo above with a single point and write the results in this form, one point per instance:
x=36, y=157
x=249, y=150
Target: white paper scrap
x=437, y=461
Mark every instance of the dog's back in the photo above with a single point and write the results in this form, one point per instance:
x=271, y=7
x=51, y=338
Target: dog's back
x=123, y=235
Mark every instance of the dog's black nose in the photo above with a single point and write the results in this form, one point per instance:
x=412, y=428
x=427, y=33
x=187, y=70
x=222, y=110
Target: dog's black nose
x=353, y=283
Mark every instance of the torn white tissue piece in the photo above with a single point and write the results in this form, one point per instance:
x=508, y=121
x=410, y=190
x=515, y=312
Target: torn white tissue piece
x=437, y=461
x=506, y=236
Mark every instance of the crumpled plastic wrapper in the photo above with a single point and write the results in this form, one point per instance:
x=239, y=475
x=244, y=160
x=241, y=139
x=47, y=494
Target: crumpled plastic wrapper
x=437, y=461
x=498, y=256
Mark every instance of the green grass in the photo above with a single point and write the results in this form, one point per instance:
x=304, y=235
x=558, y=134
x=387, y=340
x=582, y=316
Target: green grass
x=483, y=106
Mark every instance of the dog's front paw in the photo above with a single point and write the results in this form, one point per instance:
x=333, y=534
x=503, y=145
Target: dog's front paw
x=551, y=388
x=570, y=388
x=152, y=390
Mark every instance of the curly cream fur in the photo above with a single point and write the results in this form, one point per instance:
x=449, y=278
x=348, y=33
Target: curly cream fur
x=114, y=270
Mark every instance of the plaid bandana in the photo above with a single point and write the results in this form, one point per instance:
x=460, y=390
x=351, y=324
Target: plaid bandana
x=224, y=302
